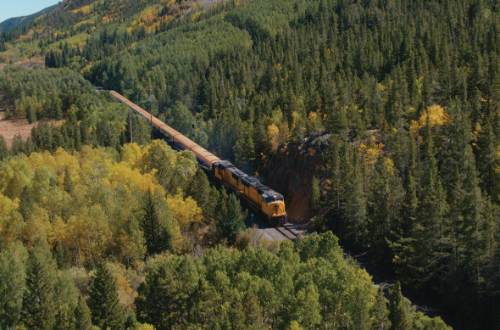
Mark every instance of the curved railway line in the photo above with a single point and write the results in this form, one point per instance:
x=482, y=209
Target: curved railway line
x=257, y=196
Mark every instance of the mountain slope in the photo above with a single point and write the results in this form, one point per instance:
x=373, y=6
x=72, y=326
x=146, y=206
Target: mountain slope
x=408, y=92
x=21, y=22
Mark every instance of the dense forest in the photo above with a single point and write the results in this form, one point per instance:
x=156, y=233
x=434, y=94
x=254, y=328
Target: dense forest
x=409, y=92
x=74, y=113
x=109, y=239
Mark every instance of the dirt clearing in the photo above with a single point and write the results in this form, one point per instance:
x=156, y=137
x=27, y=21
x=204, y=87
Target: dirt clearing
x=10, y=128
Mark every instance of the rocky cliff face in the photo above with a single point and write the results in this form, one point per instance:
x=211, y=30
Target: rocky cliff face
x=292, y=169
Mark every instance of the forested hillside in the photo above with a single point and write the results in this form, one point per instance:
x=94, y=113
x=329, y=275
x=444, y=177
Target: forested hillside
x=408, y=91
x=84, y=116
x=96, y=237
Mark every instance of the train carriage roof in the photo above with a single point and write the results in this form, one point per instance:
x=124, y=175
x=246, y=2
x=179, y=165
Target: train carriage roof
x=268, y=194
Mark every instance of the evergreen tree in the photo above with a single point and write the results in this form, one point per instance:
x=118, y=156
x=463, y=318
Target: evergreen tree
x=107, y=312
x=18, y=146
x=12, y=284
x=155, y=223
x=244, y=148
x=399, y=313
x=83, y=317
x=380, y=312
x=39, y=302
x=199, y=189
x=4, y=152
x=355, y=202
x=315, y=198
x=230, y=217
x=428, y=245
x=66, y=299
x=68, y=182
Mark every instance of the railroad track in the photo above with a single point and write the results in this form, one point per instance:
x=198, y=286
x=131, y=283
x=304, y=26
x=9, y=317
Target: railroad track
x=288, y=231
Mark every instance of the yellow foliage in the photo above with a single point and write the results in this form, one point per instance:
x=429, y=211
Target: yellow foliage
x=435, y=115
x=7, y=206
x=273, y=136
x=38, y=226
x=100, y=208
x=15, y=175
x=90, y=234
x=133, y=154
x=296, y=118
x=381, y=88
x=185, y=211
x=313, y=116
x=121, y=173
x=58, y=232
x=315, y=121
x=10, y=224
x=85, y=10
x=294, y=325
x=389, y=165
x=149, y=15
x=371, y=152
x=144, y=326
x=196, y=17
x=414, y=126
x=126, y=293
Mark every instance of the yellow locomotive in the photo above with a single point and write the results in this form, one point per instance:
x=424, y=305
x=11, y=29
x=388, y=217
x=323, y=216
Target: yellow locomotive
x=267, y=201
x=260, y=197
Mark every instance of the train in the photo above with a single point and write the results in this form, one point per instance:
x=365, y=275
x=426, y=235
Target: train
x=257, y=196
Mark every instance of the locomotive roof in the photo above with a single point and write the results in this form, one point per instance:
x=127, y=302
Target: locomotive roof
x=267, y=193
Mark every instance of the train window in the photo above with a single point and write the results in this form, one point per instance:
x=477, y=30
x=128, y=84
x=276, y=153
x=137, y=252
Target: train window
x=269, y=199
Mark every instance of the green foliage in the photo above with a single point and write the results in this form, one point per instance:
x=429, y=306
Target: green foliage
x=66, y=299
x=399, y=309
x=418, y=193
x=39, y=304
x=315, y=194
x=229, y=217
x=86, y=117
x=83, y=316
x=107, y=312
x=381, y=312
x=88, y=204
x=265, y=19
x=3, y=149
x=306, y=285
x=12, y=284
x=156, y=223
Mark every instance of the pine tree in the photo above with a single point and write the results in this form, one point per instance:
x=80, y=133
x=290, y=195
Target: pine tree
x=18, y=146
x=155, y=223
x=380, y=312
x=66, y=301
x=68, y=182
x=39, y=310
x=230, y=217
x=488, y=161
x=244, y=148
x=107, y=312
x=399, y=312
x=315, y=198
x=4, y=152
x=355, y=212
x=83, y=317
x=12, y=284
x=428, y=241
x=200, y=190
